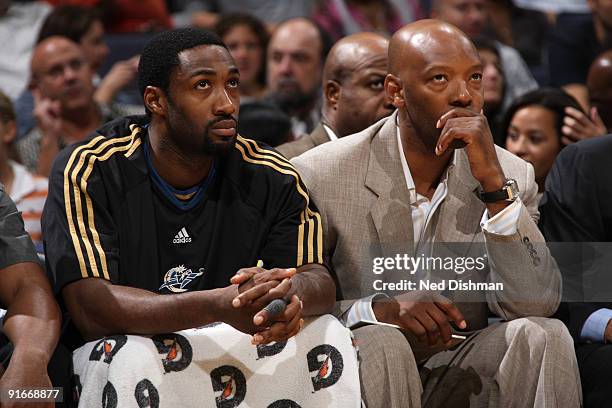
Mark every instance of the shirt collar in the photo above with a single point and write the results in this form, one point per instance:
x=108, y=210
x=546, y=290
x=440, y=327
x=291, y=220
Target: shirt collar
x=330, y=133
x=184, y=200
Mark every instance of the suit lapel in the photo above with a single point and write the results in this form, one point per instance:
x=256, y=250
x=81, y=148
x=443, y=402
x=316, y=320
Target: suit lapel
x=461, y=210
x=319, y=135
x=390, y=212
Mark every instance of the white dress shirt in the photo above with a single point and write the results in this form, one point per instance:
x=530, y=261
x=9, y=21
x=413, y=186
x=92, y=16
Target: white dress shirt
x=330, y=132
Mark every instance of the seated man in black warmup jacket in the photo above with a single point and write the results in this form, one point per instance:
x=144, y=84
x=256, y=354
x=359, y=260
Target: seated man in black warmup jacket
x=175, y=202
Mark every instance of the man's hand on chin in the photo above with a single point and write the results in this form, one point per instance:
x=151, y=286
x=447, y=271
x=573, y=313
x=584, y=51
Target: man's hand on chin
x=462, y=127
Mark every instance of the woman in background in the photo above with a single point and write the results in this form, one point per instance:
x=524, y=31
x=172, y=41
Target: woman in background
x=533, y=128
x=247, y=39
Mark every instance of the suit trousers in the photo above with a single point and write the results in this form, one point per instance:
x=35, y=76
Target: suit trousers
x=527, y=362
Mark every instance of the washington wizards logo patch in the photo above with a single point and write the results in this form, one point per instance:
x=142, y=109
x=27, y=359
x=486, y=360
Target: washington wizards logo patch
x=177, y=278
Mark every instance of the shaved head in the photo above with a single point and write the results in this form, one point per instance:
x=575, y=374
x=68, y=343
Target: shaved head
x=599, y=84
x=49, y=47
x=600, y=73
x=416, y=41
x=353, y=83
x=350, y=53
x=433, y=68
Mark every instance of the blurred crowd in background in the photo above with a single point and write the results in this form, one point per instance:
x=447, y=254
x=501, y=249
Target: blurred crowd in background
x=547, y=72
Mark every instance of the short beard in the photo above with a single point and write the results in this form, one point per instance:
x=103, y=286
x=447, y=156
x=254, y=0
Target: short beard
x=296, y=100
x=219, y=149
x=192, y=144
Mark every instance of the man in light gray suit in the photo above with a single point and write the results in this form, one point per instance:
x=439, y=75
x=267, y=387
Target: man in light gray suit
x=353, y=92
x=427, y=183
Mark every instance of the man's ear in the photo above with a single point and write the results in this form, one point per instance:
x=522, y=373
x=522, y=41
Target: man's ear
x=155, y=100
x=394, y=90
x=332, y=92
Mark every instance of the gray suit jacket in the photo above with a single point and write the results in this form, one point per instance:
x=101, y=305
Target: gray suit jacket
x=358, y=185
x=304, y=143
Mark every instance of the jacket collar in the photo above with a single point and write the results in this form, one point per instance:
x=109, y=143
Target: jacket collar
x=319, y=135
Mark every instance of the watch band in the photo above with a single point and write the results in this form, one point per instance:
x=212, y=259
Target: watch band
x=508, y=192
x=494, y=196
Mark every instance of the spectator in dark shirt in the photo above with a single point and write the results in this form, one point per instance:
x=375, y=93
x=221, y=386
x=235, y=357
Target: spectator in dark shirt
x=578, y=125
x=575, y=42
x=575, y=210
x=599, y=84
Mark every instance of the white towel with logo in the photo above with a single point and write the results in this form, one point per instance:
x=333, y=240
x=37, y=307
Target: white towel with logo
x=217, y=366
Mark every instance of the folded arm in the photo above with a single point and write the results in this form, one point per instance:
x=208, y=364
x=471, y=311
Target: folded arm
x=100, y=309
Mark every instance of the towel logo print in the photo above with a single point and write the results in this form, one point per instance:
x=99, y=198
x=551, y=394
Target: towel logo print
x=175, y=349
x=229, y=384
x=109, y=396
x=284, y=403
x=107, y=347
x=269, y=350
x=178, y=277
x=146, y=394
x=327, y=364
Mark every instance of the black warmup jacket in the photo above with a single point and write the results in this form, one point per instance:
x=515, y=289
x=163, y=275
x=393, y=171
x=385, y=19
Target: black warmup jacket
x=105, y=218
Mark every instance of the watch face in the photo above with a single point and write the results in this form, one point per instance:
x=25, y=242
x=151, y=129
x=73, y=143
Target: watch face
x=512, y=189
x=508, y=192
